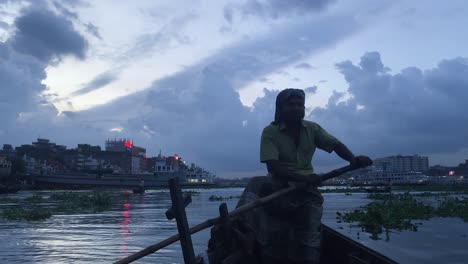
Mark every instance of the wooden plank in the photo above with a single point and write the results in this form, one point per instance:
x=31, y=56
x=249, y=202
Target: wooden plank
x=170, y=212
x=225, y=225
x=182, y=224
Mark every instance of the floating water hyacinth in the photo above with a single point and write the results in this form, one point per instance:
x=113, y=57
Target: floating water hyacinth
x=398, y=212
x=37, y=207
x=220, y=198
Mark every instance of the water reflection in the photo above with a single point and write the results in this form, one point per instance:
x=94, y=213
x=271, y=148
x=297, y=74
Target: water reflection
x=139, y=221
x=124, y=232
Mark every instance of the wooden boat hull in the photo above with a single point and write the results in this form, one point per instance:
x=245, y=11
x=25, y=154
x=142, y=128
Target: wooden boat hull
x=337, y=248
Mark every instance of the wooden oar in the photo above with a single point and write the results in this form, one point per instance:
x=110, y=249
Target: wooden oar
x=211, y=222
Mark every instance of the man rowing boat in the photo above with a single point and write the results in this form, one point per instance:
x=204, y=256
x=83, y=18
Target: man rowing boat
x=288, y=230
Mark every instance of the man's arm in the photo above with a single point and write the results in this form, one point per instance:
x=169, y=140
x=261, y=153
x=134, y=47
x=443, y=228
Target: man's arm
x=274, y=167
x=359, y=161
x=343, y=152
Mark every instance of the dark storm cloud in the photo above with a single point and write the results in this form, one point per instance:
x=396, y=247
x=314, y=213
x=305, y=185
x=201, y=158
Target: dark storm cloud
x=413, y=111
x=198, y=111
x=44, y=35
x=40, y=37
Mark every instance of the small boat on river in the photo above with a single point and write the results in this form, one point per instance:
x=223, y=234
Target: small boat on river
x=232, y=243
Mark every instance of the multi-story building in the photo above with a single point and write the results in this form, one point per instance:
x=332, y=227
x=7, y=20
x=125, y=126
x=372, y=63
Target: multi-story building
x=8, y=151
x=401, y=163
x=120, y=161
x=88, y=150
x=462, y=169
x=42, y=150
x=119, y=145
x=5, y=168
x=137, y=154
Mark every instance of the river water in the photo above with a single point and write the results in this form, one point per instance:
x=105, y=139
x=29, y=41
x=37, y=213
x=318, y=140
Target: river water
x=140, y=221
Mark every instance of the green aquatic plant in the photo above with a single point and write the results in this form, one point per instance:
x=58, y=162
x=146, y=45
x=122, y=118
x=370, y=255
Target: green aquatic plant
x=28, y=214
x=396, y=212
x=9, y=200
x=64, y=196
x=34, y=199
x=454, y=207
x=37, y=207
x=74, y=201
x=220, y=198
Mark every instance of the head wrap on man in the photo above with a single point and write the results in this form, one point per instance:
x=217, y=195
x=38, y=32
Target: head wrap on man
x=283, y=98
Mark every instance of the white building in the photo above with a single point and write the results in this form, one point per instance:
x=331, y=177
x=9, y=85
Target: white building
x=401, y=163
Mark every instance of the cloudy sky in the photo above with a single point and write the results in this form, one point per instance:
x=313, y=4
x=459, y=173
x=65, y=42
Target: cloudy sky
x=199, y=78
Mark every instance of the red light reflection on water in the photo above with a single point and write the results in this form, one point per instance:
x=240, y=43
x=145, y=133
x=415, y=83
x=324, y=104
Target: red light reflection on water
x=126, y=215
x=124, y=232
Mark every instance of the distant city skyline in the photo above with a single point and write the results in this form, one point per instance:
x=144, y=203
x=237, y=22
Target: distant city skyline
x=405, y=158
x=200, y=78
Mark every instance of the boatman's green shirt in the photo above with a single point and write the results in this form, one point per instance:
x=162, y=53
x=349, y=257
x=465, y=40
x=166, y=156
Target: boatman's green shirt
x=277, y=144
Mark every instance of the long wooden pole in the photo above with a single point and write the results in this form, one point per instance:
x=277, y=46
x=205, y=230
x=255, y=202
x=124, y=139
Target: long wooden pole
x=182, y=224
x=242, y=209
